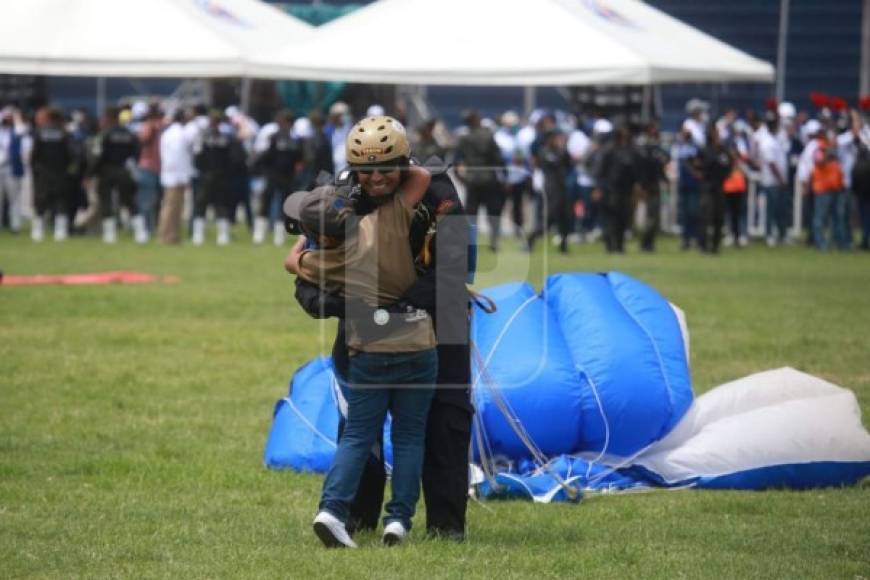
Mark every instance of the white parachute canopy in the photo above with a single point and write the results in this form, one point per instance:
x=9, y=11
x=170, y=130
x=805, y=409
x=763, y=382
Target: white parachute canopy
x=131, y=38
x=512, y=42
x=771, y=428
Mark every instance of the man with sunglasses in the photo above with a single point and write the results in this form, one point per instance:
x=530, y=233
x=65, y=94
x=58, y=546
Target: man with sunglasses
x=439, y=239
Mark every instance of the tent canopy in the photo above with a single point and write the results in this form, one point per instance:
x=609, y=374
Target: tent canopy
x=130, y=38
x=512, y=43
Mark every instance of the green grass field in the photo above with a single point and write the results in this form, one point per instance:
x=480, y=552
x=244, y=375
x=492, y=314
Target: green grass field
x=133, y=421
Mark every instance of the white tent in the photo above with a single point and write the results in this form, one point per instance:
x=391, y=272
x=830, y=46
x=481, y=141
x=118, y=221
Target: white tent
x=132, y=38
x=512, y=42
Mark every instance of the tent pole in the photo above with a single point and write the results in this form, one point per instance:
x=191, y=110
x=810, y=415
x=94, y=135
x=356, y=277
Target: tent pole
x=529, y=98
x=781, y=49
x=646, y=104
x=101, y=95
x=245, y=96
x=864, y=81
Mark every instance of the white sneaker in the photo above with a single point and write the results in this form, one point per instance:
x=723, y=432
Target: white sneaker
x=771, y=242
x=278, y=234
x=140, y=231
x=110, y=231
x=394, y=533
x=331, y=531
x=223, y=232
x=198, y=236
x=37, y=233
x=260, y=225
x=61, y=228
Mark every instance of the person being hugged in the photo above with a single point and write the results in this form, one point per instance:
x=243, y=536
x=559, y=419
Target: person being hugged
x=393, y=362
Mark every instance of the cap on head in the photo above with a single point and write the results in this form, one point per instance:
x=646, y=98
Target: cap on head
x=696, y=106
x=602, y=127
x=812, y=127
x=303, y=128
x=510, y=119
x=377, y=139
x=338, y=108
x=139, y=110
x=320, y=211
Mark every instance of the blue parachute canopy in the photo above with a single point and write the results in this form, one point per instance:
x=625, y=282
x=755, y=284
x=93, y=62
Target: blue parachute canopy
x=595, y=363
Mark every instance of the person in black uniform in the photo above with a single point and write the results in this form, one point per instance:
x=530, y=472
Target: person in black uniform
x=617, y=176
x=716, y=163
x=116, y=149
x=479, y=163
x=51, y=159
x=318, y=150
x=653, y=160
x=280, y=163
x=555, y=163
x=216, y=154
x=444, y=265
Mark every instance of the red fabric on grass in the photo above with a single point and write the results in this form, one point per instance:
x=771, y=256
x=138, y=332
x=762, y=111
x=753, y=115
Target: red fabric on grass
x=99, y=278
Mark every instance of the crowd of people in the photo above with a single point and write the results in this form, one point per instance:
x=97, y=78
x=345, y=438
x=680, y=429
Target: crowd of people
x=589, y=178
x=581, y=177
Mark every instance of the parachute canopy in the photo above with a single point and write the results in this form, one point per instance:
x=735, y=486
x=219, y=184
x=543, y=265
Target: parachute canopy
x=586, y=386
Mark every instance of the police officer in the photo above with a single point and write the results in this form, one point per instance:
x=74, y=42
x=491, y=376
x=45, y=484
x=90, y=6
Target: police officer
x=479, y=165
x=617, y=176
x=215, y=154
x=443, y=261
x=51, y=159
x=115, y=152
x=281, y=162
x=653, y=160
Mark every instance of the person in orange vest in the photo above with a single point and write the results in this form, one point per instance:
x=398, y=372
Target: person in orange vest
x=828, y=188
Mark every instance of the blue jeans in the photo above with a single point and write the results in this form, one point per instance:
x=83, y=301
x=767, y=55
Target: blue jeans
x=689, y=213
x=147, y=194
x=403, y=384
x=823, y=205
x=842, y=226
x=777, y=210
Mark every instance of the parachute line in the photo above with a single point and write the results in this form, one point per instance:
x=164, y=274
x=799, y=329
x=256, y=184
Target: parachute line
x=504, y=406
x=308, y=423
x=603, y=451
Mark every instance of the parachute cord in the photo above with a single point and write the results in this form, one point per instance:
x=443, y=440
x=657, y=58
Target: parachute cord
x=308, y=423
x=517, y=426
x=501, y=336
x=513, y=420
x=603, y=452
x=485, y=454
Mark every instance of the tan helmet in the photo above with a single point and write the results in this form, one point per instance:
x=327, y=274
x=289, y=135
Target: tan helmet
x=374, y=140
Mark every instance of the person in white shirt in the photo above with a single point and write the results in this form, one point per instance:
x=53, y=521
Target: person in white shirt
x=696, y=122
x=11, y=166
x=176, y=173
x=809, y=132
x=580, y=147
x=772, y=150
x=517, y=175
x=337, y=129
